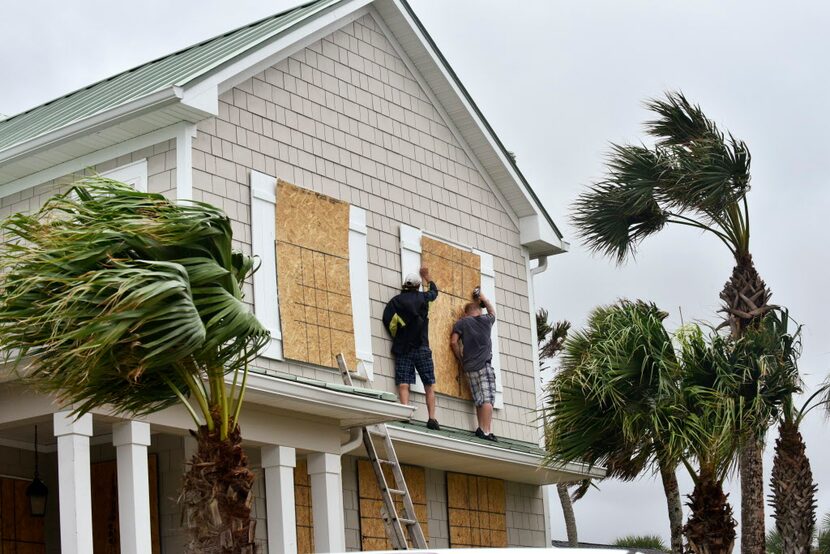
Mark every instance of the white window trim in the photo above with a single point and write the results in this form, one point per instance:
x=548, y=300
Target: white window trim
x=411, y=262
x=134, y=174
x=359, y=287
x=263, y=245
x=266, y=293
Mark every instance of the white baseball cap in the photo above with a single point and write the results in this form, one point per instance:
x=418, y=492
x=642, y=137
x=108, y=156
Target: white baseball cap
x=412, y=281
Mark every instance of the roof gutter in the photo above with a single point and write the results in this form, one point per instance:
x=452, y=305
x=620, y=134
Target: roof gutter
x=92, y=124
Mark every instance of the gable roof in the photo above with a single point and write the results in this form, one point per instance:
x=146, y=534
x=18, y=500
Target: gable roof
x=173, y=70
x=165, y=82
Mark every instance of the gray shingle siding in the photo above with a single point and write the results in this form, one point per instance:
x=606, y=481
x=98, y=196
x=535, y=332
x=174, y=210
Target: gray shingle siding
x=346, y=118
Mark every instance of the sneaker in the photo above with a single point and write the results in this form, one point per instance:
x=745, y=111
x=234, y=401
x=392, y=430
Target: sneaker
x=492, y=437
x=433, y=424
x=480, y=434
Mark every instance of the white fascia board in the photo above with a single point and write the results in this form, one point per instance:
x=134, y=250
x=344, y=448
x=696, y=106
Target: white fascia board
x=492, y=453
x=350, y=409
x=91, y=124
x=93, y=158
x=314, y=27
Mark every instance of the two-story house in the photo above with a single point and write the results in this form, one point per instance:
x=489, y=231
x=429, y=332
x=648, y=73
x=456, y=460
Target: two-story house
x=347, y=154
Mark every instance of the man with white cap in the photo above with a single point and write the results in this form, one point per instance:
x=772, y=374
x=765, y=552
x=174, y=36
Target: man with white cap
x=406, y=318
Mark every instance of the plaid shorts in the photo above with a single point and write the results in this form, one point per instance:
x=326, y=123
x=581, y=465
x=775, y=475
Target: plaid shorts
x=483, y=385
x=408, y=362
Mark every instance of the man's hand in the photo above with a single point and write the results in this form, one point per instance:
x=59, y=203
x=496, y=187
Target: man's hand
x=485, y=302
x=425, y=274
x=456, y=346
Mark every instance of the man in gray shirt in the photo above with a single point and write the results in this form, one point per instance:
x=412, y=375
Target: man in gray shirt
x=473, y=347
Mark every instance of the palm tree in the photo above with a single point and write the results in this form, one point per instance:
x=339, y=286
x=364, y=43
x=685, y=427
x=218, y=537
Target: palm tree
x=653, y=542
x=551, y=339
x=614, y=399
x=693, y=175
x=123, y=300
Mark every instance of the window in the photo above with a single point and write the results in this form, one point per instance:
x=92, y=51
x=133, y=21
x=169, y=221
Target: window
x=311, y=290
x=134, y=174
x=476, y=510
x=373, y=534
x=456, y=270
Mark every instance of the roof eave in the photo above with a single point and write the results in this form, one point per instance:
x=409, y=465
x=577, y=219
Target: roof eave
x=91, y=124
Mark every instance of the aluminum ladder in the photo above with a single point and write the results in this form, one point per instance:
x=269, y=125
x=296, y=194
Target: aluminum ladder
x=398, y=528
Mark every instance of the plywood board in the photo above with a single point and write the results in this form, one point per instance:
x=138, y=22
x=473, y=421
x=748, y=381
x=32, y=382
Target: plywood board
x=313, y=279
x=476, y=511
x=456, y=272
x=303, y=509
x=372, y=529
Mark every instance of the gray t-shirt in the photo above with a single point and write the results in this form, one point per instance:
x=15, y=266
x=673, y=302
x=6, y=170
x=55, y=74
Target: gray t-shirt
x=474, y=332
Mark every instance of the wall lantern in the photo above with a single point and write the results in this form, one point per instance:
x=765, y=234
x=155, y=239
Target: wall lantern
x=37, y=491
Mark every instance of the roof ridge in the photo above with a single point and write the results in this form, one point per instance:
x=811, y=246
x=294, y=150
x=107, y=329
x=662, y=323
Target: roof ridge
x=204, y=42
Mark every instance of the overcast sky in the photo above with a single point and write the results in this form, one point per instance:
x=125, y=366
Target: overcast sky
x=558, y=80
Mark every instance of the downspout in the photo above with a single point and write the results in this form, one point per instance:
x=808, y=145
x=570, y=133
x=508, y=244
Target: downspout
x=540, y=268
x=354, y=442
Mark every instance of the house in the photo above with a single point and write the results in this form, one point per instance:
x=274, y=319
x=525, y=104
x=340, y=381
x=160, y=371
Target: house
x=346, y=152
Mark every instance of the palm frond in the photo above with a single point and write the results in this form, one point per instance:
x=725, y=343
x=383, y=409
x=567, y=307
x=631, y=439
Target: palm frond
x=123, y=298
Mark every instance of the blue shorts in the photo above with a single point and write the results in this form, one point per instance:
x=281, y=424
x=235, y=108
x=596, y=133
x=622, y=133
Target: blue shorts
x=418, y=359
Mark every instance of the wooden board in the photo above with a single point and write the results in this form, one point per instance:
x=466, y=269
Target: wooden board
x=372, y=530
x=476, y=511
x=106, y=537
x=20, y=532
x=456, y=272
x=302, y=508
x=313, y=276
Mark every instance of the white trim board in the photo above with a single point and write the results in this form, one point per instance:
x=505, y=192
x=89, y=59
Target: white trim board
x=359, y=288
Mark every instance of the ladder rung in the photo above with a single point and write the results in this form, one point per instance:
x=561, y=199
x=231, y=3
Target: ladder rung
x=407, y=521
x=377, y=432
x=387, y=462
x=396, y=491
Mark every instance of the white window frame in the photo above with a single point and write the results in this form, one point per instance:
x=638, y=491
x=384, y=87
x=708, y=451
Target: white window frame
x=134, y=174
x=266, y=293
x=411, y=262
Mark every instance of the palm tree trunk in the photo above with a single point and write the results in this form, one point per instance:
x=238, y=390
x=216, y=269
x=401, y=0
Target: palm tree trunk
x=711, y=527
x=672, y=491
x=568, y=513
x=216, y=496
x=793, y=491
x=746, y=298
x=753, y=535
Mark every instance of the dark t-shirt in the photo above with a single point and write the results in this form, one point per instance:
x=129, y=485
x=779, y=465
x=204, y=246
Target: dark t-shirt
x=474, y=332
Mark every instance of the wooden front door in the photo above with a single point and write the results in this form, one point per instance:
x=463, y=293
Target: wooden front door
x=20, y=533
x=105, y=527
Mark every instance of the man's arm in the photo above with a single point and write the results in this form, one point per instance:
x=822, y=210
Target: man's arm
x=487, y=305
x=456, y=346
x=432, y=293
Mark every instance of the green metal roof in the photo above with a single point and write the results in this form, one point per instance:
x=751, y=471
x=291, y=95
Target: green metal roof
x=177, y=69
x=358, y=391
x=468, y=436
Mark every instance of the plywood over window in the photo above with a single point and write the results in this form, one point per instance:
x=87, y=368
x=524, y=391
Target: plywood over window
x=302, y=509
x=456, y=272
x=372, y=530
x=19, y=530
x=313, y=276
x=477, y=515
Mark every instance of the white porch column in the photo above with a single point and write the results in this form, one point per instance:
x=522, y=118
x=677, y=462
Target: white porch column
x=75, y=503
x=327, y=502
x=278, y=464
x=131, y=439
